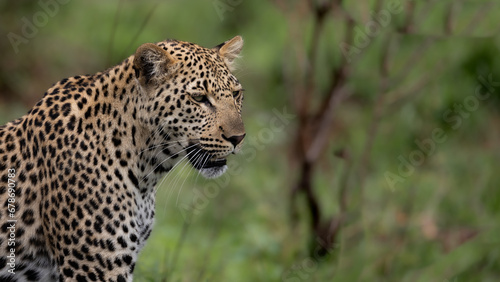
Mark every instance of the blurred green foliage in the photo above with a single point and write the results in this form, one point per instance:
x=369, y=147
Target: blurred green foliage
x=440, y=223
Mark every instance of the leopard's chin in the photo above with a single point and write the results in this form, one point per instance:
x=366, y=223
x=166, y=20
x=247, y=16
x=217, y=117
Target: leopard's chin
x=205, y=163
x=213, y=172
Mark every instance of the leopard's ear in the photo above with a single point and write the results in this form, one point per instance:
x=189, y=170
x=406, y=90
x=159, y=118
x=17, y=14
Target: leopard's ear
x=153, y=64
x=230, y=50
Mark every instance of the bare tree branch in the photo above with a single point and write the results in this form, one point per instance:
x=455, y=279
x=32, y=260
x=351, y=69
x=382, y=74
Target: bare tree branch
x=335, y=94
x=324, y=128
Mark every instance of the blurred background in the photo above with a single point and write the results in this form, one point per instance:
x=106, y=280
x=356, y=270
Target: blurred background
x=372, y=133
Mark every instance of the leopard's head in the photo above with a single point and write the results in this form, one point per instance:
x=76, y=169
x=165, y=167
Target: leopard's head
x=193, y=104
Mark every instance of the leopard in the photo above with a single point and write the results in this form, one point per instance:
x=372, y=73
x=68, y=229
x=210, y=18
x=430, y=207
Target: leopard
x=79, y=172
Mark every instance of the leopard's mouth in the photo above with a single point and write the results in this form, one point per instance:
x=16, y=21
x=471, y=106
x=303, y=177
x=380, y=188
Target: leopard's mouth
x=208, y=165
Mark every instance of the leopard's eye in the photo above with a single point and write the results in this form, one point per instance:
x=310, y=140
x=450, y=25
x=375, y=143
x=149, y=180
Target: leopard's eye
x=199, y=98
x=237, y=93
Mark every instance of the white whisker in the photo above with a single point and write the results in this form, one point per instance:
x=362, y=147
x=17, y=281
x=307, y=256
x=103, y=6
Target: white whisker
x=174, y=180
x=196, y=158
x=157, y=166
x=177, y=164
x=169, y=174
x=178, y=176
x=206, y=158
x=156, y=146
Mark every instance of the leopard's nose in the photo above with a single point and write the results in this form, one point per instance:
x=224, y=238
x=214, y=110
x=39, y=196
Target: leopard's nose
x=235, y=140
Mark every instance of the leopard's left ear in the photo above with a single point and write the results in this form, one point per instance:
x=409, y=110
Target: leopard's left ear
x=230, y=50
x=153, y=64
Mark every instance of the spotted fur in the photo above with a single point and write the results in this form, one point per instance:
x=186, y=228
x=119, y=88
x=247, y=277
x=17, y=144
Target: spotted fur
x=88, y=156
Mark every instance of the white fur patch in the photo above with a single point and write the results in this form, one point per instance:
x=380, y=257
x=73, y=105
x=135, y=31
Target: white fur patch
x=213, y=172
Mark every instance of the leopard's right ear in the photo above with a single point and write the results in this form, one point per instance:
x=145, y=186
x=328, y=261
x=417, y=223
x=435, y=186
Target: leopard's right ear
x=230, y=50
x=153, y=64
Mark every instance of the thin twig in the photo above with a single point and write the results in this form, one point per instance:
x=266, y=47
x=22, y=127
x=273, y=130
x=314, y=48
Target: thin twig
x=376, y=116
x=448, y=20
x=396, y=97
x=415, y=57
x=180, y=242
x=410, y=12
x=474, y=23
x=209, y=252
x=141, y=28
x=113, y=32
